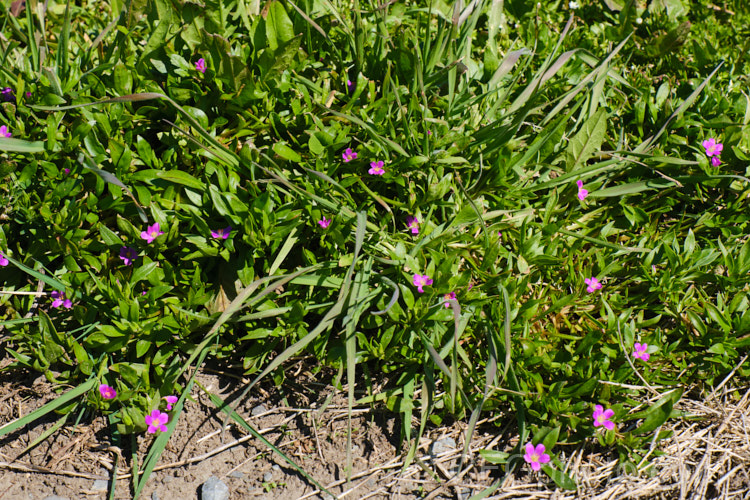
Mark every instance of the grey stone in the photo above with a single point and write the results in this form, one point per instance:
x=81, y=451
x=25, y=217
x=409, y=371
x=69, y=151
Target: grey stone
x=276, y=468
x=214, y=489
x=167, y=479
x=443, y=445
x=261, y=408
x=100, y=485
x=268, y=477
x=237, y=474
x=154, y=496
x=355, y=448
x=55, y=497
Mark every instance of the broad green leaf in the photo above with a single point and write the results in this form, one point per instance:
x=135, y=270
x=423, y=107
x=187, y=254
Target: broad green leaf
x=20, y=145
x=587, y=140
x=658, y=413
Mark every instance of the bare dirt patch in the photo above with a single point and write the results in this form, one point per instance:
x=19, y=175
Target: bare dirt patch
x=708, y=457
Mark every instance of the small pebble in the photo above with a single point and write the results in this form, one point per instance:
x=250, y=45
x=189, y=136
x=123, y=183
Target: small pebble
x=100, y=485
x=167, y=479
x=237, y=474
x=268, y=477
x=259, y=410
x=55, y=497
x=276, y=468
x=154, y=496
x=355, y=448
x=214, y=489
x=443, y=445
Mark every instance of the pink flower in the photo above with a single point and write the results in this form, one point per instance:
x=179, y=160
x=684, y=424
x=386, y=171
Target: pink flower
x=376, y=168
x=593, y=284
x=156, y=421
x=449, y=296
x=107, y=392
x=324, y=223
x=715, y=161
x=535, y=456
x=200, y=65
x=712, y=147
x=170, y=401
x=603, y=417
x=151, y=233
x=420, y=281
x=128, y=255
x=4, y=131
x=582, y=193
x=3, y=261
x=640, y=351
x=221, y=234
x=413, y=224
x=349, y=155
x=61, y=300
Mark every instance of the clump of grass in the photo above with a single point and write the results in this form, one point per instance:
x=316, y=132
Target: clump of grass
x=465, y=204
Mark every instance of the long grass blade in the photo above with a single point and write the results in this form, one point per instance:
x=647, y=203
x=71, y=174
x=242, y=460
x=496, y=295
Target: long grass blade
x=49, y=407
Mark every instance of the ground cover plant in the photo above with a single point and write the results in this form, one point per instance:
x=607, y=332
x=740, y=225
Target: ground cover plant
x=536, y=211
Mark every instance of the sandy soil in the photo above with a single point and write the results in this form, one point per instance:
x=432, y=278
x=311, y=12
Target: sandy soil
x=707, y=458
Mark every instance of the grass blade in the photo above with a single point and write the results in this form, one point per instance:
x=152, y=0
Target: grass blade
x=49, y=407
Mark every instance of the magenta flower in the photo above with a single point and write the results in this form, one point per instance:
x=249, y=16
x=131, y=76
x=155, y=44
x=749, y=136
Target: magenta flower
x=200, y=65
x=107, y=392
x=712, y=147
x=156, y=421
x=128, y=255
x=420, y=281
x=640, y=351
x=349, y=85
x=413, y=224
x=593, y=284
x=582, y=193
x=376, y=168
x=715, y=161
x=449, y=296
x=60, y=300
x=3, y=260
x=221, y=234
x=603, y=417
x=4, y=131
x=349, y=155
x=324, y=223
x=535, y=456
x=151, y=233
x=170, y=401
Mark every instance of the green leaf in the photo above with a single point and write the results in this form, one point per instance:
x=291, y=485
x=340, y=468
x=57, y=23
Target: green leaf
x=20, y=146
x=176, y=176
x=587, y=141
x=561, y=479
x=658, y=413
x=48, y=408
x=279, y=28
x=494, y=456
x=281, y=149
